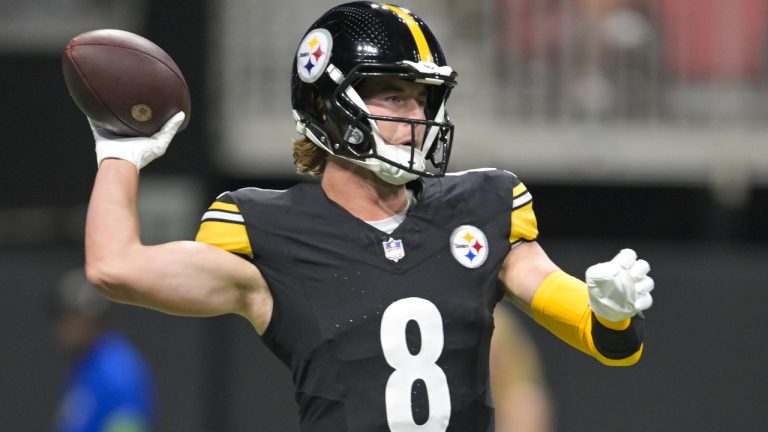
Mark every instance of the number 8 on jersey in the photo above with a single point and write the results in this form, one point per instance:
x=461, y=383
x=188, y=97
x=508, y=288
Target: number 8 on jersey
x=409, y=367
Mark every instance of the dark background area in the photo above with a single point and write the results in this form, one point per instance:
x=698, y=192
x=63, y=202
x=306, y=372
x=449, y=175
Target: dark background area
x=704, y=363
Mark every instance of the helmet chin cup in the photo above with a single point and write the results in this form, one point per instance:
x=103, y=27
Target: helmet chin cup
x=392, y=163
x=396, y=164
x=395, y=176
x=385, y=171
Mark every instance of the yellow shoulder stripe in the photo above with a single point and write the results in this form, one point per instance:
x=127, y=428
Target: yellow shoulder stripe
x=218, y=205
x=523, y=219
x=231, y=237
x=517, y=190
x=524, y=225
x=421, y=42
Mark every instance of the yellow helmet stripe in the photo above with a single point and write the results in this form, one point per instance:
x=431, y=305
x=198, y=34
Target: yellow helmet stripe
x=421, y=42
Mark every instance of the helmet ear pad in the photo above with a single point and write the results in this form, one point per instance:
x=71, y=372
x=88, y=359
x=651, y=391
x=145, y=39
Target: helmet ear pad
x=349, y=123
x=317, y=118
x=339, y=129
x=328, y=117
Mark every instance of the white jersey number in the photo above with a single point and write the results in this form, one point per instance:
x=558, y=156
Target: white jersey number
x=409, y=367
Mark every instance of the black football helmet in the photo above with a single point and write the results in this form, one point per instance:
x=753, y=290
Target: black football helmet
x=359, y=40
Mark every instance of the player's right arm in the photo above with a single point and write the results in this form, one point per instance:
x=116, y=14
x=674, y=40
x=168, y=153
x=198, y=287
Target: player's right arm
x=182, y=278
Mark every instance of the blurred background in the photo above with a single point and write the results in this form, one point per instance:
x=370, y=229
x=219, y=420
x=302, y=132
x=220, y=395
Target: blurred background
x=635, y=123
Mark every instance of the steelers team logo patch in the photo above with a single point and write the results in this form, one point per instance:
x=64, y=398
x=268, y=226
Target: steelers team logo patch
x=314, y=55
x=469, y=246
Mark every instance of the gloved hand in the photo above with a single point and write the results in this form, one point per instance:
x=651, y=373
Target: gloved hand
x=620, y=288
x=138, y=150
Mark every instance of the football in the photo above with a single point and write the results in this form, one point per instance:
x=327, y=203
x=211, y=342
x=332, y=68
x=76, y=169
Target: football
x=123, y=82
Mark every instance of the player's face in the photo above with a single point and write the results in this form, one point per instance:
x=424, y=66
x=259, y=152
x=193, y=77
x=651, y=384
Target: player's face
x=394, y=97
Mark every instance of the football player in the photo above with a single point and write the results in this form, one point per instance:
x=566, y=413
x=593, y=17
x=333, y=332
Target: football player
x=376, y=285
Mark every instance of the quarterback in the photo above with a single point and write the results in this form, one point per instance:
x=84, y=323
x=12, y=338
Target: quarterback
x=375, y=285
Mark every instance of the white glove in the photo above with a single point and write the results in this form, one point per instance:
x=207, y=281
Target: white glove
x=138, y=150
x=620, y=288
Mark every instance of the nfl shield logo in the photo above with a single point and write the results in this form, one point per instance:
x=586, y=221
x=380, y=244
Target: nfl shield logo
x=393, y=249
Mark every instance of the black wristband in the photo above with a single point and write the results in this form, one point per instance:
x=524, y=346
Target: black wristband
x=617, y=344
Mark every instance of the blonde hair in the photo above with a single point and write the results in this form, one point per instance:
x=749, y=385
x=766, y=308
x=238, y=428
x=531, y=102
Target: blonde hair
x=308, y=157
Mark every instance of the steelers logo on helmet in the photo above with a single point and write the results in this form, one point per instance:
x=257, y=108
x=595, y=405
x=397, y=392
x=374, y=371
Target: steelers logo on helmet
x=314, y=54
x=469, y=246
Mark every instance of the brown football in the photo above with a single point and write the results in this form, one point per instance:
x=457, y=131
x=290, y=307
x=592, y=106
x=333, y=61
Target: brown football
x=124, y=82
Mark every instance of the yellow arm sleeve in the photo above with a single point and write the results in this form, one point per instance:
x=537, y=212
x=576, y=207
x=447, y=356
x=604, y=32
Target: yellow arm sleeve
x=561, y=304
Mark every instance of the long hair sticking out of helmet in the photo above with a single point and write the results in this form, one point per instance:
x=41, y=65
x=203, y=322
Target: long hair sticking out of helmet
x=360, y=40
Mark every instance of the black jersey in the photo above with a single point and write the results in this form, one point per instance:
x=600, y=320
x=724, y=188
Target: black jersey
x=382, y=332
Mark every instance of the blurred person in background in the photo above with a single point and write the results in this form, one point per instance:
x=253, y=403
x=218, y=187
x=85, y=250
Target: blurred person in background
x=520, y=393
x=586, y=58
x=377, y=284
x=109, y=387
x=529, y=44
x=615, y=52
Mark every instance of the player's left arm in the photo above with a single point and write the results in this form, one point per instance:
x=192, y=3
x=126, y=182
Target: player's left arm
x=599, y=317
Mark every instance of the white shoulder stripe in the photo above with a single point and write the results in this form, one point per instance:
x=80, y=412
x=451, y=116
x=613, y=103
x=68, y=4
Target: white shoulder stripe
x=458, y=173
x=521, y=200
x=262, y=189
x=213, y=214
